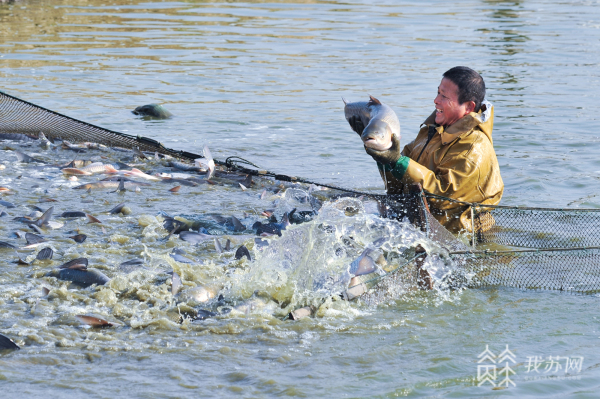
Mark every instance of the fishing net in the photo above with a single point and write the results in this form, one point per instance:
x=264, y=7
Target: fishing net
x=530, y=248
x=562, y=245
x=21, y=117
x=537, y=227
x=575, y=270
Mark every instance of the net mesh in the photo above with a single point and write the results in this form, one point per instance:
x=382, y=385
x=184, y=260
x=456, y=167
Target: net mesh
x=562, y=249
x=537, y=228
x=574, y=270
x=566, y=242
x=21, y=117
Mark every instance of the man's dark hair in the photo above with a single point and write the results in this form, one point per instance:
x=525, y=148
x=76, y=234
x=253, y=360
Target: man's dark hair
x=471, y=86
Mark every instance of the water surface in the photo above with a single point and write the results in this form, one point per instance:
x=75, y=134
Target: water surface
x=264, y=80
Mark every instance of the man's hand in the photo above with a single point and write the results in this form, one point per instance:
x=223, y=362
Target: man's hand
x=389, y=156
x=356, y=124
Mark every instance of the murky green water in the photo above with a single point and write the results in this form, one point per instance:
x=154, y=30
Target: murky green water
x=264, y=81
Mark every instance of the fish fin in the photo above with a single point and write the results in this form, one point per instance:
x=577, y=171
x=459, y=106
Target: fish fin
x=365, y=266
x=238, y=226
x=92, y=219
x=241, y=252
x=45, y=217
x=285, y=220
x=210, y=162
x=344, y=100
x=77, y=266
x=121, y=187
x=228, y=245
x=136, y=170
x=176, y=283
x=117, y=209
x=21, y=262
x=207, y=153
x=218, y=246
x=137, y=152
x=110, y=169
x=7, y=343
x=373, y=101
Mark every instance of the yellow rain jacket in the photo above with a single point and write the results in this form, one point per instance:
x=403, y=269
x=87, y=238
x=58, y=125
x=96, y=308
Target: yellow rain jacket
x=458, y=162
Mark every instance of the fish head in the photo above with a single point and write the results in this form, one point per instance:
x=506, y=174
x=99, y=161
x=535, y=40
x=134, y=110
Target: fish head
x=377, y=135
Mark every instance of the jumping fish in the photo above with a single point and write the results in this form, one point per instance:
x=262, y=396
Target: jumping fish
x=194, y=238
x=207, y=162
x=198, y=294
x=21, y=157
x=174, y=226
x=84, y=278
x=255, y=304
x=179, y=255
x=44, y=142
x=76, y=163
x=156, y=111
x=128, y=184
x=184, y=182
x=232, y=223
x=79, y=238
x=7, y=204
x=138, y=173
x=175, y=175
x=94, y=322
x=379, y=122
x=72, y=214
x=93, y=168
x=131, y=265
x=185, y=167
x=33, y=238
x=17, y=137
x=176, y=284
x=272, y=227
x=73, y=147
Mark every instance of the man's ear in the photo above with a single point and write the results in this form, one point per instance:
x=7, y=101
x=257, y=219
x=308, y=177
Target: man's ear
x=469, y=107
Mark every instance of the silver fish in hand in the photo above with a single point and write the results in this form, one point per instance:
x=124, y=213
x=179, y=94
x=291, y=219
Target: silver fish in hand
x=374, y=121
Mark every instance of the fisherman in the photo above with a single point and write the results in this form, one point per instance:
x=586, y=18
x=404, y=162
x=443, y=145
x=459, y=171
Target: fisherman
x=453, y=154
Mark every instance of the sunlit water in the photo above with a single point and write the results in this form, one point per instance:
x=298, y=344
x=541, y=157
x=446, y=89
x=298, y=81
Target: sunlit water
x=265, y=81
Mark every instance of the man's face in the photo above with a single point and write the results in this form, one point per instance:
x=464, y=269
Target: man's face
x=447, y=108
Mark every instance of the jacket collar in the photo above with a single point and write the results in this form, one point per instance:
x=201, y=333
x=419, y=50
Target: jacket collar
x=462, y=126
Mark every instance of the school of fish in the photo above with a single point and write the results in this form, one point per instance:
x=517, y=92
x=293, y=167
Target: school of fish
x=70, y=210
